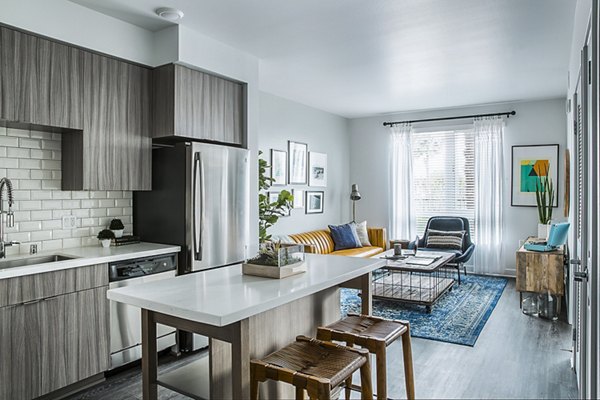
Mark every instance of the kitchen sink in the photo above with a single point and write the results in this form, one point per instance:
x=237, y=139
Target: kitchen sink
x=22, y=262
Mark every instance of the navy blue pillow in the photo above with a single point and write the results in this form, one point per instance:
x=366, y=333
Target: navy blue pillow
x=344, y=237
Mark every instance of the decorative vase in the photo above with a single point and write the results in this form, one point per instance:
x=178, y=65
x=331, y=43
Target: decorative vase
x=105, y=243
x=118, y=232
x=543, y=231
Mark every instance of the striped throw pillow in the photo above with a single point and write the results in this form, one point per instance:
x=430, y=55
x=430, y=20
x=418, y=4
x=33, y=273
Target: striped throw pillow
x=445, y=239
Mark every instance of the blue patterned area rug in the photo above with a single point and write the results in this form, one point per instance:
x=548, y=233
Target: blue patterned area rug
x=458, y=316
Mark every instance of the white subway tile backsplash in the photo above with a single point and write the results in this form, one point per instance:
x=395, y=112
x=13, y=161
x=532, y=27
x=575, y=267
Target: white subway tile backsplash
x=41, y=194
x=18, y=173
x=41, y=235
x=51, y=164
x=31, y=159
x=41, y=215
x=8, y=141
x=106, y=203
x=51, y=204
x=30, y=143
x=40, y=174
x=41, y=154
x=30, y=184
x=52, y=224
x=51, y=184
x=9, y=162
x=27, y=163
x=71, y=204
x=17, y=152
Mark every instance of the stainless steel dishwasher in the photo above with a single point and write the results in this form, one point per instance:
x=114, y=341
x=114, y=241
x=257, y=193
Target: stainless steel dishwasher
x=125, y=320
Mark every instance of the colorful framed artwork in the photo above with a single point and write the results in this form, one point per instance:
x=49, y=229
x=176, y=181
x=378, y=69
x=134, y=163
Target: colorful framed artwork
x=314, y=202
x=317, y=169
x=298, y=198
x=530, y=164
x=298, y=157
x=278, y=167
x=273, y=196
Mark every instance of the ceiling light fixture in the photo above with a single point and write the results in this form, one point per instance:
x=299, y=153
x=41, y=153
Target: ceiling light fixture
x=171, y=14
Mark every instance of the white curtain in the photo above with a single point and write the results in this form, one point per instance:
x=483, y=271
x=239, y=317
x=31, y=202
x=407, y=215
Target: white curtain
x=402, y=216
x=489, y=133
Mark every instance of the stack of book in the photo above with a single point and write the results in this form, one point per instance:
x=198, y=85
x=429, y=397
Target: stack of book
x=126, y=239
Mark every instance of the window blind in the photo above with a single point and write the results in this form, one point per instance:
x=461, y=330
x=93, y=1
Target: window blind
x=443, y=164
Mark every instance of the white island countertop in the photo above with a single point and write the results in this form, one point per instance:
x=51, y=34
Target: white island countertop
x=222, y=296
x=88, y=255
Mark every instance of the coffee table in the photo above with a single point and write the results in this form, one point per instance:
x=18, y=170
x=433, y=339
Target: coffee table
x=402, y=281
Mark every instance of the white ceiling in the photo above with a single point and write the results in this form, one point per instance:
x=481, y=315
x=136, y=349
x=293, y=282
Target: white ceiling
x=366, y=57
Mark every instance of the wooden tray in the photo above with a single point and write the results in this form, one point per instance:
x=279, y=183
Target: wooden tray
x=266, y=271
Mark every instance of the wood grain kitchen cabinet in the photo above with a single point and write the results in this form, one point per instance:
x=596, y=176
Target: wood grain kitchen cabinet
x=40, y=81
x=53, y=342
x=115, y=150
x=193, y=104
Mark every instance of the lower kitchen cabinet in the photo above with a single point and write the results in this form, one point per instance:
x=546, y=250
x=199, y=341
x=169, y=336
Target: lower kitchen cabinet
x=53, y=342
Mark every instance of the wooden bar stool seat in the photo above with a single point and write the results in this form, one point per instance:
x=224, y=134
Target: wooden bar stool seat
x=313, y=365
x=374, y=334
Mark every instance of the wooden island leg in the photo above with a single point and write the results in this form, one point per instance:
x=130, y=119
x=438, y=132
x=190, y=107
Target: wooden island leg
x=240, y=360
x=149, y=356
x=366, y=294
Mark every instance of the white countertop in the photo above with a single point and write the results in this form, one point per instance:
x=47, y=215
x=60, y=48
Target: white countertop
x=87, y=256
x=223, y=296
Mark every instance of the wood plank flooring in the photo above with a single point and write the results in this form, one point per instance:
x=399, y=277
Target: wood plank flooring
x=516, y=356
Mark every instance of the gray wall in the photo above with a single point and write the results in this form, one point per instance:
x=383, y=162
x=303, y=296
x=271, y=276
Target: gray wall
x=281, y=120
x=537, y=122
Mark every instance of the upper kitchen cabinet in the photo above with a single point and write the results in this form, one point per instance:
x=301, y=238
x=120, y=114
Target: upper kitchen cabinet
x=196, y=105
x=40, y=81
x=114, y=152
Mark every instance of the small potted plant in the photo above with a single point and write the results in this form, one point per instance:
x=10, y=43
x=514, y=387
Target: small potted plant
x=544, y=196
x=117, y=227
x=105, y=236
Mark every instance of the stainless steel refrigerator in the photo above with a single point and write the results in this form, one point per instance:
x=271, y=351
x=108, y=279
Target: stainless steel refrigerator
x=199, y=201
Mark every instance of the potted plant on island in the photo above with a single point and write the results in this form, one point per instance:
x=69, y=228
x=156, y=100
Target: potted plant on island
x=105, y=236
x=544, y=197
x=287, y=259
x=117, y=227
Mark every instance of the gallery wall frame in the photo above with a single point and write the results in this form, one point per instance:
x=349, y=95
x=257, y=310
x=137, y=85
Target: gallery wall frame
x=317, y=169
x=315, y=202
x=298, y=162
x=279, y=167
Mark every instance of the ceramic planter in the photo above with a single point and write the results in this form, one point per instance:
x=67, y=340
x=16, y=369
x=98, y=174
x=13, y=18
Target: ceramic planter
x=543, y=231
x=105, y=243
x=118, y=232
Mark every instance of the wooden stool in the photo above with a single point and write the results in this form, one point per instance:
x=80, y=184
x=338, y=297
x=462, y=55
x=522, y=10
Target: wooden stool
x=319, y=367
x=374, y=334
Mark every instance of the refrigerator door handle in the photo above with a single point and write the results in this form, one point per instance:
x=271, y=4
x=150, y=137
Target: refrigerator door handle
x=198, y=206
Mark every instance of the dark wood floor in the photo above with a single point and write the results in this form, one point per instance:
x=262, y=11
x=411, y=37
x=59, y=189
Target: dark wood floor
x=516, y=356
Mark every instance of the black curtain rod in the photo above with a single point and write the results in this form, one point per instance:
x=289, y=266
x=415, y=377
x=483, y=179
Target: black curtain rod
x=508, y=114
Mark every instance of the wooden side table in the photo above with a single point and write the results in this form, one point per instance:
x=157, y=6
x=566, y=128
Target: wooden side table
x=541, y=272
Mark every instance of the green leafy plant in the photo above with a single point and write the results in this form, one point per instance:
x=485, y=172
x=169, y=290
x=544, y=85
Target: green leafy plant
x=269, y=212
x=116, y=225
x=544, y=197
x=270, y=254
x=106, y=234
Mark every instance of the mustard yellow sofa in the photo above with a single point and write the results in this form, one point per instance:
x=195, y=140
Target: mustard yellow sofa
x=320, y=242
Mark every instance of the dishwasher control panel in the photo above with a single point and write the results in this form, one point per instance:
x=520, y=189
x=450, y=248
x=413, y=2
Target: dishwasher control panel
x=141, y=267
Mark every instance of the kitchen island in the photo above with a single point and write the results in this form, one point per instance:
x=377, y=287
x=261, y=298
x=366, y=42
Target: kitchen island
x=244, y=316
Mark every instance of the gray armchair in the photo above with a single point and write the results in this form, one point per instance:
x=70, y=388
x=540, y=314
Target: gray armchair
x=450, y=224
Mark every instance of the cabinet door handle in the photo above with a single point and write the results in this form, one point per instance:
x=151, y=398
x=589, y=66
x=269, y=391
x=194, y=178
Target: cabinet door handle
x=580, y=276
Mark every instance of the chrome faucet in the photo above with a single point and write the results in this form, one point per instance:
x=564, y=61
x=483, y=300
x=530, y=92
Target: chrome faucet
x=10, y=217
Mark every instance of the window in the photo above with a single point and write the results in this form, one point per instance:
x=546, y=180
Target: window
x=443, y=164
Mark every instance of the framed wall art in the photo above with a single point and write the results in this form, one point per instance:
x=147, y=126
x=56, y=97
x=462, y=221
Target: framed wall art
x=529, y=164
x=278, y=167
x=314, y=202
x=298, y=198
x=317, y=169
x=298, y=157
